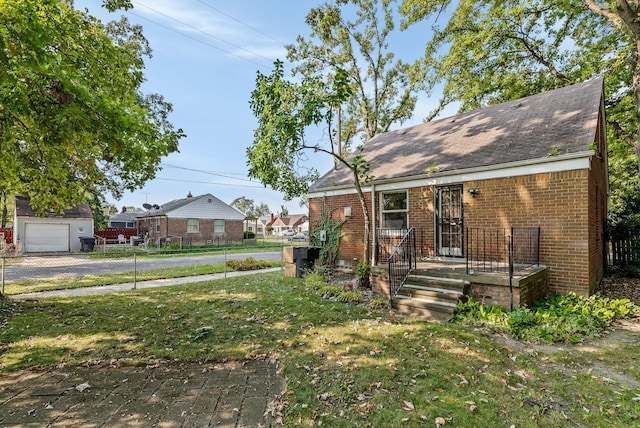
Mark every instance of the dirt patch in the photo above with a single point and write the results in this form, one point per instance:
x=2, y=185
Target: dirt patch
x=615, y=286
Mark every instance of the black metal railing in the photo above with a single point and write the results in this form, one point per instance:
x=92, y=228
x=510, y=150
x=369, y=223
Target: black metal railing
x=387, y=241
x=496, y=249
x=402, y=260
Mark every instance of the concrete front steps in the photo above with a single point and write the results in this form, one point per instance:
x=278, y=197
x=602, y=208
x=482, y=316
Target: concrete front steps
x=430, y=297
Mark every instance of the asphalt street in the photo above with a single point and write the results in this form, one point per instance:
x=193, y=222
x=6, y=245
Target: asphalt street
x=37, y=267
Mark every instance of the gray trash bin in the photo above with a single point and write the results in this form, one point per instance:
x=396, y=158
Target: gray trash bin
x=305, y=257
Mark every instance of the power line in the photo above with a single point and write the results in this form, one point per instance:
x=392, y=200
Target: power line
x=241, y=22
x=202, y=32
x=208, y=172
x=208, y=182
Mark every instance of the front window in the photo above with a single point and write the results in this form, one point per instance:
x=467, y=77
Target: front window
x=193, y=225
x=218, y=226
x=393, y=210
x=158, y=225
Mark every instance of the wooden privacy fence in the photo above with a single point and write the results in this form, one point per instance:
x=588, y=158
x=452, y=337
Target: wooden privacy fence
x=6, y=234
x=624, y=247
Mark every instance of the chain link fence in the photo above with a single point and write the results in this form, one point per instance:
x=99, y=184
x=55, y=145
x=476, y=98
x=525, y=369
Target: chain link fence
x=119, y=269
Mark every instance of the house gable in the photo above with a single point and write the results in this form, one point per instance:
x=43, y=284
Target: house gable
x=204, y=206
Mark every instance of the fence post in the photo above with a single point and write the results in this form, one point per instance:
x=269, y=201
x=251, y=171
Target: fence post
x=225, y=262
x=3, y=265
x=510, y=250
x=135, y=270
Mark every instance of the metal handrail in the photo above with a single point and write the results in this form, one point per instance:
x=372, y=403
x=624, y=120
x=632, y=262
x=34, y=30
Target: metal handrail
x=402, y=261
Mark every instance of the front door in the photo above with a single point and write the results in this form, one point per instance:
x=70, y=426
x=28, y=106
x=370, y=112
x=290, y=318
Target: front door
x=449, y=221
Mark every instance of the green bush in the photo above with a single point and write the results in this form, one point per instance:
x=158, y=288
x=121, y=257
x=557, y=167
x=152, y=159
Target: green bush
x=329, y=291
x=379, y=303
x=350, y=297
x=314, y=280
x=363, y=274
x=558, y=318
x=248, y=264
x=249, y=235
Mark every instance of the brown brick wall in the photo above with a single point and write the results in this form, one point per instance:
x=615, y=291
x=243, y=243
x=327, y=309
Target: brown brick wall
x=562, y=204
x=557, y=203
x=352, y=240
x=177, y=227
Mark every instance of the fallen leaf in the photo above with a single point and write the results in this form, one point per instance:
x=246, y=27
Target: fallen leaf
x=83, y=386
x=440, y=422
x=408, y=405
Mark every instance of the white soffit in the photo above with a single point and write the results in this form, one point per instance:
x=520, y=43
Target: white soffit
x=560, y=163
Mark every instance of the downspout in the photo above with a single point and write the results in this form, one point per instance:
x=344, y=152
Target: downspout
x=374, y=242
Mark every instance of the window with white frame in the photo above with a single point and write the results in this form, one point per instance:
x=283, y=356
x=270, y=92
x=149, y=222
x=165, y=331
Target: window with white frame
x=193, y=225
x=218, y=226
x=394, y=213
x=158, y=225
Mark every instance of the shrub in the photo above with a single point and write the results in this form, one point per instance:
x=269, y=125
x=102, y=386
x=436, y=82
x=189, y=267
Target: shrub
x=558, y=318
x=350, y=297
x=379, y=303
x=314, y=280
x=249, y=235
x=363, y=274
x=247, y=264
x=329, y=291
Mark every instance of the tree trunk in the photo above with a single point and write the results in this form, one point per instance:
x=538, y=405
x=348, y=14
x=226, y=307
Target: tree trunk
x=366, y=257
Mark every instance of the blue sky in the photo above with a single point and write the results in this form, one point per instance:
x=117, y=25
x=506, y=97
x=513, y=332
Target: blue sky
x=205, y=57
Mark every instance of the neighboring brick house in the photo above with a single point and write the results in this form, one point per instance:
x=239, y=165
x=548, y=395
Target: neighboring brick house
x=198, y=219
x=539, y=161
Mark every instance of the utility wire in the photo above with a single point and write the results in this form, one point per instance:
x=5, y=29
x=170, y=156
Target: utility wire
x=203, y=32
x=208, y=172
x=209, y=182
x=243, y=23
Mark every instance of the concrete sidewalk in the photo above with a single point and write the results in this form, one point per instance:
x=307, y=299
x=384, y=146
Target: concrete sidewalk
x=140, y=285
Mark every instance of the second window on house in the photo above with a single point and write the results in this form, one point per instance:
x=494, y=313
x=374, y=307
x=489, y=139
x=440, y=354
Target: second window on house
x=218, y=226
x=393, y=210
x=193, y=225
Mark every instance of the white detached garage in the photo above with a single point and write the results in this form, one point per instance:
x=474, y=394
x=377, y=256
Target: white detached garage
x=53, y=232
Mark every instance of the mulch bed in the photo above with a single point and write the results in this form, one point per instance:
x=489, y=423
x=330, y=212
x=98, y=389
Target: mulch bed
x=616, y=286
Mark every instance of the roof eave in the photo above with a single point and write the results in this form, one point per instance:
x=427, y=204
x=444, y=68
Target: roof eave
x=517, y=164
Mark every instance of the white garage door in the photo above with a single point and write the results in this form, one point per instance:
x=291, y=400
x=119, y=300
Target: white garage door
x=42, y=237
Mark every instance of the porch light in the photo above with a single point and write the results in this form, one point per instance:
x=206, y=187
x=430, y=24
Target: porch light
x=473, y=191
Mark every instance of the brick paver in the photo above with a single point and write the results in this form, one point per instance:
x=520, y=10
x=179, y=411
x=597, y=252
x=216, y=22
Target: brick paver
x=181, y=395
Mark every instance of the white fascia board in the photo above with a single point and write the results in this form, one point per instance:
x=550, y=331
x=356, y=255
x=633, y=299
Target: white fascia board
x=569, y=162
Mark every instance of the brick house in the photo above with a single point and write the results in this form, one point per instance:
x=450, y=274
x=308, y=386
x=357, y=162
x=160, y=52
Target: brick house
x=198, y=219
x=538, y=162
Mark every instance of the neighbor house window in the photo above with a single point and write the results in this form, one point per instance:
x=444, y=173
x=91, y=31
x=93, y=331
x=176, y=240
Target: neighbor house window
x=394, y=211
x=218, y=226
x=158, y=225
x=193, y=225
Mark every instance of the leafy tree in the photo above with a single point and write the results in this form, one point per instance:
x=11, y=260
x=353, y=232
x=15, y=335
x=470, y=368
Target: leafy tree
x=72, y=117
x=499, y=51
x=285, y=112
x=248, y=207
x=381, y=93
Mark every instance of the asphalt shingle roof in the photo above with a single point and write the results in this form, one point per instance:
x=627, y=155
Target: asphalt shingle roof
x=559, y=121
x=23, y=209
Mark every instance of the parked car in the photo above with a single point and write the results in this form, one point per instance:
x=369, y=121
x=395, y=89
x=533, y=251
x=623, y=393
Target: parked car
x=288, y=232
x=300, y=236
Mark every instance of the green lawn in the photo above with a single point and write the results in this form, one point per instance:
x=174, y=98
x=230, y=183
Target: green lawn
x=345, y=365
